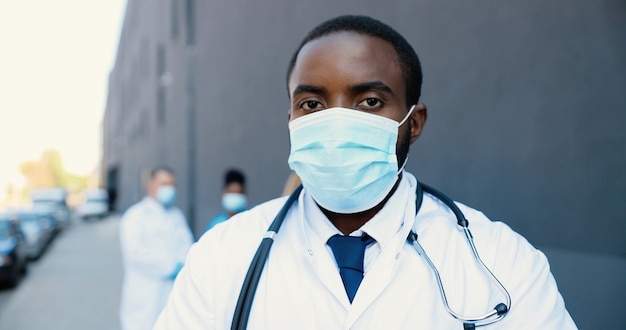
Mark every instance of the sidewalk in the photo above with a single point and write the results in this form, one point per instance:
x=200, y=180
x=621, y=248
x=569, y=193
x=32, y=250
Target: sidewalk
x=75, y=285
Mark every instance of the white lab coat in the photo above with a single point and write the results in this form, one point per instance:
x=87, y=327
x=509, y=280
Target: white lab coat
x=153, y=241
x=301, y=288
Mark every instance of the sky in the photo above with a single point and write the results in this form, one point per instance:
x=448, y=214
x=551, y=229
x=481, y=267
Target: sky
x=55, y=57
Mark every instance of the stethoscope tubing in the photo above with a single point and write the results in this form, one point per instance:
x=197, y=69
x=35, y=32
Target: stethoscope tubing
x=251, y=281
x=469, y=322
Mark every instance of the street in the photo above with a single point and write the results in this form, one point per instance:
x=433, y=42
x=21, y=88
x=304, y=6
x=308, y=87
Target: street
x=74, y=285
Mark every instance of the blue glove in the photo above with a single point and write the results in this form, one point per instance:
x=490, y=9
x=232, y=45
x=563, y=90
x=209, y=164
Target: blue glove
x=177, y=269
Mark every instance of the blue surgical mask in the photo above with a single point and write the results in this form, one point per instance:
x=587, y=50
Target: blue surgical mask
x=166, y=195
x=234, y=202
x=345, y=158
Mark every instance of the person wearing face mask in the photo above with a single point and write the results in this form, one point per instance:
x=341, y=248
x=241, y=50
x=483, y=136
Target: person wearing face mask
x=234, y=198
x=154, y=238
x=358, y=246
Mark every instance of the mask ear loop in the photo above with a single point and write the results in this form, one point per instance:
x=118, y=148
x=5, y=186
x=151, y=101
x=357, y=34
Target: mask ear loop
x=407, y=115
x=400, y=124
x=403, y=165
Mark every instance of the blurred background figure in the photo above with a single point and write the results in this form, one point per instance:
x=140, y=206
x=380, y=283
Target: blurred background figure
x=154, y=239
x=293, y=181
x=234, y=198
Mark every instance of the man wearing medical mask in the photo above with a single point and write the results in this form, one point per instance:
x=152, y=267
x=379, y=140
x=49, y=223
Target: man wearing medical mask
x=154, y=238
x=234, y=198
x=346, y=255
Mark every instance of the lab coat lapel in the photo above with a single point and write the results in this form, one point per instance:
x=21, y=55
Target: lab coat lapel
x=320, y=259
x=327, y=272
x=382, y=271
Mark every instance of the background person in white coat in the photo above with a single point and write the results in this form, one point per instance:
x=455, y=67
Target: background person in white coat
x=354, y=85
x=155, y=239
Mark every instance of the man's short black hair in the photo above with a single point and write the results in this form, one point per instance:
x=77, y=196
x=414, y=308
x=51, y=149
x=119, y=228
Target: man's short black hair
x=160, y=168
x=234, y=176
x=407, y=58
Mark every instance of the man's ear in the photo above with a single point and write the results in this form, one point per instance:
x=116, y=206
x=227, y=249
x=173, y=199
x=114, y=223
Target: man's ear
x=418, y=120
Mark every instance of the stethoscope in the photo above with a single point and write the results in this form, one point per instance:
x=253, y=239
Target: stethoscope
x=251, y=281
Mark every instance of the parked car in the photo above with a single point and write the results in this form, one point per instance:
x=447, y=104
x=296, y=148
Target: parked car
x=47, y=211
x=55, y=197
x=13, y=254
x=38, y=229
x=96, y=205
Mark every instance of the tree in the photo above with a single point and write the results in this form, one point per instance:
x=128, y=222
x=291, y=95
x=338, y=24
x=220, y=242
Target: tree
x=48, y=172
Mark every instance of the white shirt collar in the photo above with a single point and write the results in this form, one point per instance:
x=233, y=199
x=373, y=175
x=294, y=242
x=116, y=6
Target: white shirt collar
x=382, y=227
x=154, y=205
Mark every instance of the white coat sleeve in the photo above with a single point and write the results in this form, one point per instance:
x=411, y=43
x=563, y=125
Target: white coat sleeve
x=207, y=288
x=189, y=305
x=525, y=273
x=142, y=248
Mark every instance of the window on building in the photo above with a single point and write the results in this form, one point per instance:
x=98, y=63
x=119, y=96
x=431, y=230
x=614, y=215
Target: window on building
x=160, y=102
x=145, y=57
x=174, y=18
x=190, y=21
x=161, y=105
x=160, y=61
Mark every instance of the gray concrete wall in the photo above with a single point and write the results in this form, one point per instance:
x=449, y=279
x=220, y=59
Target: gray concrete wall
x=526, y=111
x=524, y=98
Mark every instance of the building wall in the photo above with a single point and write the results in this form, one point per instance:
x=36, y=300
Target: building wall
x=525, y=100
x=144, y=117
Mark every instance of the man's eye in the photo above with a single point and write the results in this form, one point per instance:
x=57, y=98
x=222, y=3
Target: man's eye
x=310, y=105
x=371, y=102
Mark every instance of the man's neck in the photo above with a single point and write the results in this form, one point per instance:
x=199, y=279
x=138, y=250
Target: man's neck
x=347, y=223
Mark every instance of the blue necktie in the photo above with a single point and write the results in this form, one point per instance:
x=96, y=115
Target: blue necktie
x=349, y=252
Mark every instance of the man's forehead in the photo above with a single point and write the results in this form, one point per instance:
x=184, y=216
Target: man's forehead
x=352, y=55
x=350, y=43
x=161, y=176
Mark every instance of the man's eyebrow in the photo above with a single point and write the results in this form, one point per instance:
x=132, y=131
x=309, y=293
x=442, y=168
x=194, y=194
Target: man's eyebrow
x=308, y=89
x=371, y=85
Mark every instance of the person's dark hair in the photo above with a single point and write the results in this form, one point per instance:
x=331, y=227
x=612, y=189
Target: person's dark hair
x=234, y=176
x=407, y=58
x=160, y=168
